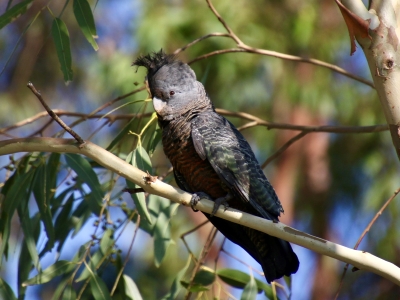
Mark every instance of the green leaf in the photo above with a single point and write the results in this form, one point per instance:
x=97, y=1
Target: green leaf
x=42, y=193
x=62, y=225
x=84, y=17
x=250, y=290
x=69, y=293
x=14, y=12
x=239, y=280
x=29, y=235
x=204, y=277
x=154, y=138
x=59, y=268
x=25, y=264
x=195, y=287
x=124, y=131
x=176, y=286
x=140, y=159
x=162, y=228
x=107, y=241
x=60, y=36
x=201, y=280
x=60, y=289
x=131, y=289
x=85, y=173
x=15, y=194
x=99, y=288
x=6, y=291
x=93, y=263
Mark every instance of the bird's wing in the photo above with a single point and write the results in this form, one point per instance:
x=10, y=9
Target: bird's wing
x=218, y=141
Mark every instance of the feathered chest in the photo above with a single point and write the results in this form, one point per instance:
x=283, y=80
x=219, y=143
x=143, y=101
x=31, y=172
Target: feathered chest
x=197, y=173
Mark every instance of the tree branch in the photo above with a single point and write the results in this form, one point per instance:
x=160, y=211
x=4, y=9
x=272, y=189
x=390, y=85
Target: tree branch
x=255, y=121
x=359, y=259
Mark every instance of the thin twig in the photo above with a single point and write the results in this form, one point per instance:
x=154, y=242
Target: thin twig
x=216, y=52
x=283, y=148
x=242, y=47
x=255, y=121
x=54, y=116
x=116, y=100
x=241, y=261
x=128, y=254
x=222, y=21
x=366, y=230
x=189, y=232
x=201, y=259
x=179, y=50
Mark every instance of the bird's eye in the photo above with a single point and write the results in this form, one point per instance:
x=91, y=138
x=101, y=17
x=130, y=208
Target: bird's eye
x=171, y=93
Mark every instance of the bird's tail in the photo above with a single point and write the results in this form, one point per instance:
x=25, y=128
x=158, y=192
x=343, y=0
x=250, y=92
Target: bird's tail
x=275, y=256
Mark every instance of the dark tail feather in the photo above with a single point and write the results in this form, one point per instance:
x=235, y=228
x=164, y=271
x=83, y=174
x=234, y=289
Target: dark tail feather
x=277, y=259
x=275, y=256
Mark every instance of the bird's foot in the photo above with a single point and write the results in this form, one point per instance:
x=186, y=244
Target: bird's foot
x=221, y=201
x=196, y=197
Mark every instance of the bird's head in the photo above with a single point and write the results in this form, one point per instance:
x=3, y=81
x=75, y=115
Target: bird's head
x=172, y=84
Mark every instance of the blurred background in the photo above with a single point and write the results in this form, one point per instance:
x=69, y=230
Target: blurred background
x=331, y=185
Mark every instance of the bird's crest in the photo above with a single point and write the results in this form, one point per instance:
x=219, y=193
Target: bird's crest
x=154, y=61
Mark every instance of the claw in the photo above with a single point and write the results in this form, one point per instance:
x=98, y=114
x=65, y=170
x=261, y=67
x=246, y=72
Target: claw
x=196, y=197
x=221, y=201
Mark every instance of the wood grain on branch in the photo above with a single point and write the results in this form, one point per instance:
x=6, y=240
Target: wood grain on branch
x=359, y=259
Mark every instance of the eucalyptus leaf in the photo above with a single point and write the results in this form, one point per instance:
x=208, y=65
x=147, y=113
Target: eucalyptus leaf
x=14, y=12
x=99, y=288
x=250, y=290
x=131, y=289
x=84, y=17
x=60, y=36
x=59, y=268
x=85, y=173
x=6, y=291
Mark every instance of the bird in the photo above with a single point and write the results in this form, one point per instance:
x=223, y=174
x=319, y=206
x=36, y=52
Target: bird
x=211, y=159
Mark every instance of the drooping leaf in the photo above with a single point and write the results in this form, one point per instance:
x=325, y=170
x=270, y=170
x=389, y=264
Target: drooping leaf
x=194, y=287
x=204, y=277
x=201, y=280
x=140, y=159
x=357, y=26
x=250, y=290
x=99, y=288
x=62, y=223
x=69, y=293
x=239, y=280
x=91, y=267
x=153, y=136
x=42, y=191
x=124, y=131
x=25, y=264
x=60, y=36
x=107, y=241
x=14, y=12
x=6, y=291
x=162, y=227
x=29, y=229
x=85, y=173
x=60, y=289
x=84, y=17
x=59, y=268
x=131, y=289
x=15, y=194
x=176, y=284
